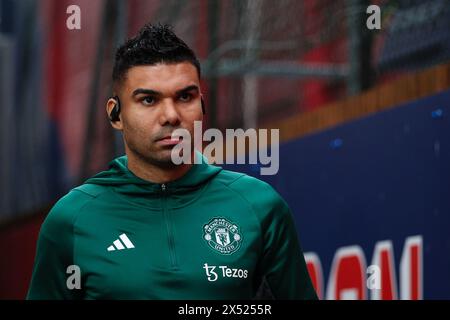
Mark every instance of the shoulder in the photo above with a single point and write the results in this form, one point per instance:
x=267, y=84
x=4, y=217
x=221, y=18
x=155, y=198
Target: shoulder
x=259, y=194
x=66, y=210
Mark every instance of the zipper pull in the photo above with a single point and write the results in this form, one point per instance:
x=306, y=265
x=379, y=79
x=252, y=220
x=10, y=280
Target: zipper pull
x=163, y=187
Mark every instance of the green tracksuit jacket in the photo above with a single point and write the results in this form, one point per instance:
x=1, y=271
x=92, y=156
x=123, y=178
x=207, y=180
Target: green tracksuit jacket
x=212, y=234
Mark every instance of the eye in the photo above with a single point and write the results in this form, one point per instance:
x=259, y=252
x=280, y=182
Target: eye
x=185, y=97
x=148, y=101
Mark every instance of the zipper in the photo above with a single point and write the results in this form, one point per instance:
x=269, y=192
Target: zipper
x=169, y=228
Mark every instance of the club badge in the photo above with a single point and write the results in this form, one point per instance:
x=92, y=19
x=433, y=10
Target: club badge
x=222, y=235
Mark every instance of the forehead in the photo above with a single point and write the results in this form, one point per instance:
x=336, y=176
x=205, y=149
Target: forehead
x=162, y=77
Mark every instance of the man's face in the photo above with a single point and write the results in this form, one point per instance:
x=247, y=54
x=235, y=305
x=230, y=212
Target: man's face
x=156, y=100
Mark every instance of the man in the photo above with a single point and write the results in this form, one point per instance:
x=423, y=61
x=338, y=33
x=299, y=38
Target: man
x=150, y=229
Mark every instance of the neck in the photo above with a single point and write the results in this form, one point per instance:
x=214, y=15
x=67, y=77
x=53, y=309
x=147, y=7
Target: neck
x=154, y=173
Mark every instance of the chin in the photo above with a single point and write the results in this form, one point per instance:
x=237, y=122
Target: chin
x=163, y=158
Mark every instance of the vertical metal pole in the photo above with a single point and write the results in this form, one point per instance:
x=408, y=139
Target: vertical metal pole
x=6, y=125
x=250, y=82
x=213, y=23
x=120, y=34
x=355, y=26
x=95, y=86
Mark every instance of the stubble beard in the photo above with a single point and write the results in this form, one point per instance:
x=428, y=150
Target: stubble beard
x=159, y=158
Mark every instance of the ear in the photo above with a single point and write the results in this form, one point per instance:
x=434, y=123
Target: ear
x=110, y=104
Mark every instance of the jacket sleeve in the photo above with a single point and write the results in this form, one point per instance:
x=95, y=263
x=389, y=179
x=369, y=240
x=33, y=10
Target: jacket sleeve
x=283, y=265
x=53, y=256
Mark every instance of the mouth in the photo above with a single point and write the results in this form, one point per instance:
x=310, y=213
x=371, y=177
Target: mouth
x=169, y=140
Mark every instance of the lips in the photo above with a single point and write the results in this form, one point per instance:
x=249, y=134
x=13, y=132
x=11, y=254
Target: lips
x=169, y=140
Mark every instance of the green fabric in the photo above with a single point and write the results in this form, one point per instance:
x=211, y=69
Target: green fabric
x=251, y=233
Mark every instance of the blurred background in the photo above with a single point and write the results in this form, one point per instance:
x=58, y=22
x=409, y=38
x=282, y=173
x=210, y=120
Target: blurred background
x=363, y=117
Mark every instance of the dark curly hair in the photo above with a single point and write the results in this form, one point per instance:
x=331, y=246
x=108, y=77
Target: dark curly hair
x=152, y=45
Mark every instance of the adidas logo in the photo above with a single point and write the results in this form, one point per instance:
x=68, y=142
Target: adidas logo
x=118, y=244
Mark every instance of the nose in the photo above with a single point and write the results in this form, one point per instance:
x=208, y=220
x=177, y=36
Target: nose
x=169, y=113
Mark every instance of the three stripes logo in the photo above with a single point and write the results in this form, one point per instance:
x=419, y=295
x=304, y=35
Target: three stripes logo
x=120, y=245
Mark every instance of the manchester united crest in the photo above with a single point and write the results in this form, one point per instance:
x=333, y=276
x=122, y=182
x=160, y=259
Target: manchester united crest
x=222, y=235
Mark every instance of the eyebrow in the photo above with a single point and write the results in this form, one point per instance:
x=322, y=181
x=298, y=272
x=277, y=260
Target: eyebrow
x=188, y=88
x=145, y=91
x=157, y=93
